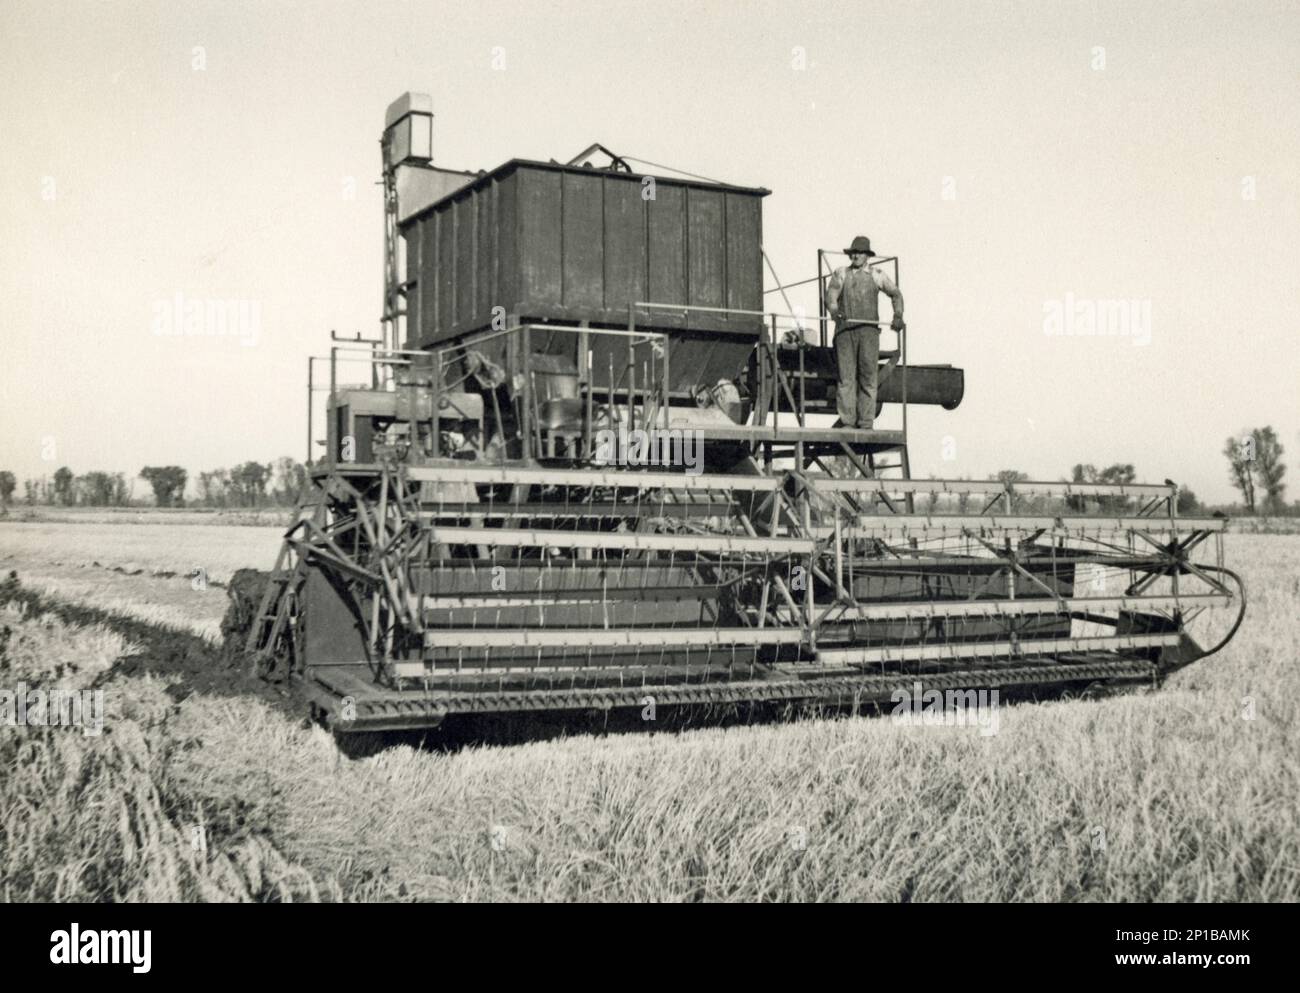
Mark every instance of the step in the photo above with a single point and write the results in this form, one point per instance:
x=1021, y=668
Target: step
x=567, y=597
x=879, y=525
x=622, y=541
x=582, y=638
x=877, y=655
x=991, y=487
x=589, y=478
x=1034, y=605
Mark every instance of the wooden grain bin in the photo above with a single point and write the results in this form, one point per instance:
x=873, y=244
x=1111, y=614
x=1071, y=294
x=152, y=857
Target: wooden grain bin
x=546, y=242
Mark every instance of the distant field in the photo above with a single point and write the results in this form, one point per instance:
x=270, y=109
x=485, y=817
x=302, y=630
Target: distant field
x=1265, y=525
x=153, y=548
x=274, y=516
x=163, y=573
x=1191, y=793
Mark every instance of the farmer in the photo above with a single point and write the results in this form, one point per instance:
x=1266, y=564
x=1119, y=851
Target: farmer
x=851, y=299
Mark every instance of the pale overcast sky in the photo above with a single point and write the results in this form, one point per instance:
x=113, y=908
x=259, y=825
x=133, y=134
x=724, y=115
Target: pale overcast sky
x=1011, y=153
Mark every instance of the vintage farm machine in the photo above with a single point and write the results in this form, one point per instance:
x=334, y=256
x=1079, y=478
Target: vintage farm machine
x=600, y=471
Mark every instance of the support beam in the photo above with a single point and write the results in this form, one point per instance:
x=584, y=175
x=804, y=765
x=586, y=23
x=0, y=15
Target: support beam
x=588, y=478
x=622, y=541
x=583, y=638
x=955, y=651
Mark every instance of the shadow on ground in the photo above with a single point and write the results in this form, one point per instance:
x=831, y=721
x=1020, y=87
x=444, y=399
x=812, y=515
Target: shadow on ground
x=188, y=663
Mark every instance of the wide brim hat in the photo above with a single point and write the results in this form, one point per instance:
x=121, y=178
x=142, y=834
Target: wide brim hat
x=860, y=244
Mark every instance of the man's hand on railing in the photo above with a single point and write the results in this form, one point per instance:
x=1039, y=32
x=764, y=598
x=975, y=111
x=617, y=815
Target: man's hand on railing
x=897, y=323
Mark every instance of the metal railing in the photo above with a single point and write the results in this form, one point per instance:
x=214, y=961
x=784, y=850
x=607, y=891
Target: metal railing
x=377, y=357
x=644, y=403
x=771, y=377
x=773, y=383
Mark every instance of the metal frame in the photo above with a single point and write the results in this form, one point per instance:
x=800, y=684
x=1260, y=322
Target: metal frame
x=652, y=398
x=773, y=383
x=404, y=543
x=380, y=529
x=630, y=580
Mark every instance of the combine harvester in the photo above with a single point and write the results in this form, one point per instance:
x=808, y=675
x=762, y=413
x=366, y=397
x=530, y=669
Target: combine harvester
x=584, y=473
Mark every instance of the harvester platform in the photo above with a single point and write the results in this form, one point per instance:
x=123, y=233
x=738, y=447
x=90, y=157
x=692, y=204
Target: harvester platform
x=414, y=593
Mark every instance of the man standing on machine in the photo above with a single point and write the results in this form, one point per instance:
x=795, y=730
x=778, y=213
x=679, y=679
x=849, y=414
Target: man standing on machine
x=852, y=296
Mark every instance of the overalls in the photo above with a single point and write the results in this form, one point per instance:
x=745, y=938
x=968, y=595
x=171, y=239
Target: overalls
x=857, y=348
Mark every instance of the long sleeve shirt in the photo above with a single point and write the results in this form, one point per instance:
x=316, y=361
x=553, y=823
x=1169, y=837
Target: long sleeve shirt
x=853, y=294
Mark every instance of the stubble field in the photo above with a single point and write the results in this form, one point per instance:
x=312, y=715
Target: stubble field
x=206, y=784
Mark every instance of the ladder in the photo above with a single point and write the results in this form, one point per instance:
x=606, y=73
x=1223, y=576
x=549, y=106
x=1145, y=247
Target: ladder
x=276, y=605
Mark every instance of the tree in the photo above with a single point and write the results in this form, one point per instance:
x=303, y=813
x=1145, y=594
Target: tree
x=1237, y=452
x=249, y=482
x=96, y=488
x=213, y=487
x=1019, y=501
x=930, y=498
x=1081, y=473
x=1123, y=474
x=1120, y=473
x=7, y=484
x=1255, y=464
x=290, y=480
x=963, y=498
x=63, y=491
x=168, y=484
x=1187, y=502
x=1269, y=468
x=30, y=491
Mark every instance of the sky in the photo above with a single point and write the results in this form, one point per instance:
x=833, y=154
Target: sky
x=1027, y=161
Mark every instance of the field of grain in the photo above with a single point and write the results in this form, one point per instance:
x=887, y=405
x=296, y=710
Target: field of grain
x=254, y=517
x=207, y=785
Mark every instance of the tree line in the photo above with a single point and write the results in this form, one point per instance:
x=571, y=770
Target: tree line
x=1254, y=457
x=251, y=484
x=1120, y=473
x=1255, y=469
